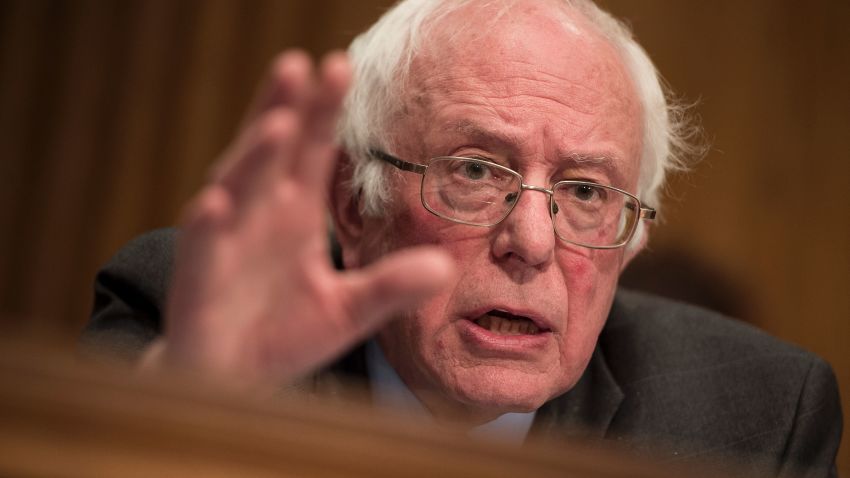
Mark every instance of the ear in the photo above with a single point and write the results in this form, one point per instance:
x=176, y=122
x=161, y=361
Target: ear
x=635, y=246
x=345, y=211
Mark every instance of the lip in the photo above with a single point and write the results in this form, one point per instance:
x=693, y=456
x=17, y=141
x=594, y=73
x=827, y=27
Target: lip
x=537, y=318
x=491, y=344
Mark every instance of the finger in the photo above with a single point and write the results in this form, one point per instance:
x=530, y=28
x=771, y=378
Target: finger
x=208, y=210
x=395, y=283
x=285, y=86
x=201, y=224
x=288, y=86
x=268, y=145
x=318, y=146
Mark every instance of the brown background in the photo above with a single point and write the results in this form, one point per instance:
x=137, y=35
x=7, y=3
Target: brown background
x=111, y=111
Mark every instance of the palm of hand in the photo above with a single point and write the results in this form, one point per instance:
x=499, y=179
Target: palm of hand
x=254, y=294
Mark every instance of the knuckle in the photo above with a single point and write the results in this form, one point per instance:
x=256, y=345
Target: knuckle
x=288, y=64
x=276, y=125
x=209, y=205
x=285, y=194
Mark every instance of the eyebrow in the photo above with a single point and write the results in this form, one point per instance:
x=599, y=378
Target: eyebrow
x=576, y=159
x=587, y=158
x=599, y=162
x=474, y=130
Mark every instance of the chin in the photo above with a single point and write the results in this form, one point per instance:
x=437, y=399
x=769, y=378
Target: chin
x=492, y=390
x=472, y=375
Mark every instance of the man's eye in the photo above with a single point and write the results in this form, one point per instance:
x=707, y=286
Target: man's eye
x=585, y=192
x=474, y=171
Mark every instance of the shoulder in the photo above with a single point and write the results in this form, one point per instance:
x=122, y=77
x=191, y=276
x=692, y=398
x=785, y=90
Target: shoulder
x=130, y=292
x=148, y=257
x=648, y=337
x=141, y=269
x=703, y=381
x=666, y=336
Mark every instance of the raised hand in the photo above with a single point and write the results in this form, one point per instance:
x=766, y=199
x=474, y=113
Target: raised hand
x=255, y=297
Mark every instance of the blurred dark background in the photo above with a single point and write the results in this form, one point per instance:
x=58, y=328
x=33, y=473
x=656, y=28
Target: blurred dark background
x=110, y=112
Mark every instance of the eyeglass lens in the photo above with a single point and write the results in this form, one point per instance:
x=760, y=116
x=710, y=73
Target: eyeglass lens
x=480, y=193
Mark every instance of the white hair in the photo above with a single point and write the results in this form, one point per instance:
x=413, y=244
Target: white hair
x=381, y=59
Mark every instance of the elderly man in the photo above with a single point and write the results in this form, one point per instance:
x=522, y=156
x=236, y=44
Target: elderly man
x=498, y=166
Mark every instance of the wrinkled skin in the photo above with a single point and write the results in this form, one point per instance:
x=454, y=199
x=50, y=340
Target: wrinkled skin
x=255, y=300
x=547, y=88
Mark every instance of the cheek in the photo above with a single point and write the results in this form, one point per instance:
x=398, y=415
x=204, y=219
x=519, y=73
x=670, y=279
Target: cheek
x=413, y=225
x=408, y=224
x=399, y=226
x=589, y=270
x=591, y=279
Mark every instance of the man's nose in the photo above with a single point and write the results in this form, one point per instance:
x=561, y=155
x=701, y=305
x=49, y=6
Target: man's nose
x=526, y=235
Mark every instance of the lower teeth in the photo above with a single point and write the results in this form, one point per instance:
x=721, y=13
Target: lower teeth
x=506, y=326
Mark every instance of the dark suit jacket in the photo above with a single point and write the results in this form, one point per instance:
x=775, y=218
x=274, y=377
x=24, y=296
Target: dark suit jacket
x=665, y=377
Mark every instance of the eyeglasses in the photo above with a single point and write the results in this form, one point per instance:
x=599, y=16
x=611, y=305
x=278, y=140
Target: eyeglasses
x=481, y=193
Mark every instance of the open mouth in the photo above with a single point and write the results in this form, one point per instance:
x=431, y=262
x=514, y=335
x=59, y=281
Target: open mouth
x=505, y=323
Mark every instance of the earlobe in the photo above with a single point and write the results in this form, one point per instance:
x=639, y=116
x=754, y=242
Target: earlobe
x=345, y=211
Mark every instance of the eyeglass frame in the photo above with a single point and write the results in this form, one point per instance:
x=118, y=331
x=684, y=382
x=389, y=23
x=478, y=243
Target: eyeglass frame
x=645, y=212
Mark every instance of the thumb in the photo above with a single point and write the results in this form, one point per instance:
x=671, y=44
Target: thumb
x=397, y=282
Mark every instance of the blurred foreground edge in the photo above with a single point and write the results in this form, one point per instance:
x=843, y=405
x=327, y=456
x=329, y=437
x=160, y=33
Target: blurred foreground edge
x=61, y=416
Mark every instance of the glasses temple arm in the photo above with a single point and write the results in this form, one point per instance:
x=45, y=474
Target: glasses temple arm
x=647, y=213
x=399, y=163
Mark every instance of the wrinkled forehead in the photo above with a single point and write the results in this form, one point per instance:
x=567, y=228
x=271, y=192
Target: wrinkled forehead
x=529, y=49
x=545, y=33
x=476, y=20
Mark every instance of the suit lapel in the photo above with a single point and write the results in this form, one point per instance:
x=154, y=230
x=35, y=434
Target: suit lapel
x=586, y=410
